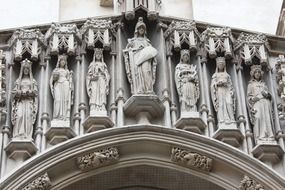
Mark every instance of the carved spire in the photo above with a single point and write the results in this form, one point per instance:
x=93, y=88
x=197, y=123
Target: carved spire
x=27, y=41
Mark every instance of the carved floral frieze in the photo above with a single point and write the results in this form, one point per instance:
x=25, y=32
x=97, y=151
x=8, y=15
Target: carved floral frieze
x=182, y=32
x=248, y=183
x=249, y=46
x=98, y=158
x=191, y=159
x=41, y=183
x=63, y=38
x=29, y=41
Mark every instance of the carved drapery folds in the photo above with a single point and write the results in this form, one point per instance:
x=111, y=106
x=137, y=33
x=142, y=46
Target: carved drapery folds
x=191, y=159
x=97, y=31
x=187, y=83
x=222, y=93
x=63, y=38
x=250, y=46
x=260, y=107
x=181, y=33
x=140, y=61
x=280, y=78
x=27, y=41
x=98, y=158
x=3, y=109
x=41, y=183
x=129, y=7
x=25, y=103
x=218, y=42
x=97, y=84
x=61, y=85
x=248, y=183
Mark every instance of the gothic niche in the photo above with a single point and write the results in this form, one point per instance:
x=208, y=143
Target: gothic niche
x=223, y=98
x=62, y=90
x=25, y=103
x=97, y=86
x=187, y=84
x=259, y=100
x=61, y=85
x=23, y=114
x=140, y=65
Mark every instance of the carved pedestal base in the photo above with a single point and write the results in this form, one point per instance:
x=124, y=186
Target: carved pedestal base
x=59, y=131
x=95, y=123
x=229, y=133
x=268, y=152
x=144, y=107
x=191, y=121
x=21, y=150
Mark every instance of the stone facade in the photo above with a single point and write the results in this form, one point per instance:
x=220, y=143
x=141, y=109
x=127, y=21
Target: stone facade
x=125, y=91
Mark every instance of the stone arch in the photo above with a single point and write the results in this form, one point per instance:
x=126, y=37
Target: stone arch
x=143, y=146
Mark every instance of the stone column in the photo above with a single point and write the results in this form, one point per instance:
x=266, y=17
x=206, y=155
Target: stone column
x=113, y=107
x=82, y=105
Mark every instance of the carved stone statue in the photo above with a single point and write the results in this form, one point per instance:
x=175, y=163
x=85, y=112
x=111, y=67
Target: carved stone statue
x=62, y=89
x=97, y=82
x=187, y=83
x=140, y=61
x=259, y=103
x=25, y=103
x=223, y=94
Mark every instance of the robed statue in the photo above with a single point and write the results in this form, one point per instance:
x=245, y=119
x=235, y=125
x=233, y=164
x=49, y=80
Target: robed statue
x=25, y=102
x=97, y=84
x=140, y=61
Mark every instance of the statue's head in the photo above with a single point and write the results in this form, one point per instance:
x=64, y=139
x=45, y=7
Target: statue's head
x=256, y=72
x=185, y=56
x=98, y=54
x=62, y=61
x=26, y=68
x=221, y=63
x=140, y=29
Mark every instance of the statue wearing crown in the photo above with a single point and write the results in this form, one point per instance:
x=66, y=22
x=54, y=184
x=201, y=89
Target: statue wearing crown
x=222, y=94
x=61, y=86
x=25, y=103
x=140, y=61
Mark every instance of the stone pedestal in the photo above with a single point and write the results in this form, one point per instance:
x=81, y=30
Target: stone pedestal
x=144, y=107
x=191, y=121
x=268, y=152
x=21, y=150
x=229, y=133
x=97, y=122
x=59, y=131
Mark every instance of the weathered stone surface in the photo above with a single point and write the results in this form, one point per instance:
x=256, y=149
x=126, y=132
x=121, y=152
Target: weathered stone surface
x=98, y=158
x=41, y=183
x=191, y=159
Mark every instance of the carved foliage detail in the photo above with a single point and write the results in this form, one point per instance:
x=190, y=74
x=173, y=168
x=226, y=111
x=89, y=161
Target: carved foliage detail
x=41, y=183
x=98, y=158
x=218, y=40
x=27, y=41
x=191, y=159
x=248, y=183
